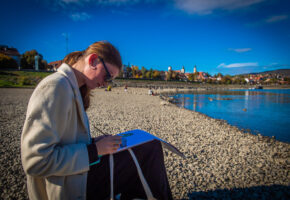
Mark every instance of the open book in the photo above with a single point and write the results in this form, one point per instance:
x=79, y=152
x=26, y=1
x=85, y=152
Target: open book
x=137, y=137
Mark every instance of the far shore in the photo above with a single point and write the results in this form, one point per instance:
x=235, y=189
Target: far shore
x=188, y=90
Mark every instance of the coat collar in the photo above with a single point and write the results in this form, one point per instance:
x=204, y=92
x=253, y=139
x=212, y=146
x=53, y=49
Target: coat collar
x=68, y=72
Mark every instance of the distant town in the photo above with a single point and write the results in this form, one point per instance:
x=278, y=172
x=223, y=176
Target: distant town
x=10, y=58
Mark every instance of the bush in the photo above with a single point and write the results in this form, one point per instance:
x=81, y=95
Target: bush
x=7, y=62
x=26, y=81
x=13, y=80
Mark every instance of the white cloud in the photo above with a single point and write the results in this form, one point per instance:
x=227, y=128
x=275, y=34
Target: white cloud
x=204, y=7
x=237, y=65
x=80, y=16
x=269, y=20
x=276, y=65
x=276, y=18
x=242, y=50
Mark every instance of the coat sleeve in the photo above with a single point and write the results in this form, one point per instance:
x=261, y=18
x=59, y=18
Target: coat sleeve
x=42, y=153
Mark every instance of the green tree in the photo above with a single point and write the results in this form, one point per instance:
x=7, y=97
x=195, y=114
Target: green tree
x=274, y=80
x=136, y=72
x=147, y=75
x=174, y=76
x=28, y=60
x=207, y=74
x=168, y=75
x=239, y=80
x=227, y=79
x=156, y=75
x=128, y=72
x=143, y=72
x=209, y=80
x=7, y=62
x=43, y=64
x=121, y=72
x=151, y=73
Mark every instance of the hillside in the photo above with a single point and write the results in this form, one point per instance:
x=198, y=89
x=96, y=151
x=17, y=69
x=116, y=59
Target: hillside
x=281, y=72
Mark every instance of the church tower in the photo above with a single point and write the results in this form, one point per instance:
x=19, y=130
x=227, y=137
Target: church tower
x=194, y=69
x=169, y=68
x=182, y=70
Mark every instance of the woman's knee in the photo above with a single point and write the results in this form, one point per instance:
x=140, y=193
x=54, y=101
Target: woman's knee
x=151, y=146
x=148, y=149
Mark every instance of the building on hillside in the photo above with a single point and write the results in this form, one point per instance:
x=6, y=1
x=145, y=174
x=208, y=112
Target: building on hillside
x=181, y=73
x=182, y=70
x=258, y=79
x=11, y=52
x=182, y=76
x=54, y=65
x=163, y=75
x=202, y=76
x=187, y=75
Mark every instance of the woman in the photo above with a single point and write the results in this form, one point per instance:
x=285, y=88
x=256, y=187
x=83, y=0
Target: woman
x=60, y=158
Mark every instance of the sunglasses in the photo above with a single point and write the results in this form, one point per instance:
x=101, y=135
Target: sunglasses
x=108, y=77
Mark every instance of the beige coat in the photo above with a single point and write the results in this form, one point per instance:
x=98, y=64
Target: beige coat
x=54, y=139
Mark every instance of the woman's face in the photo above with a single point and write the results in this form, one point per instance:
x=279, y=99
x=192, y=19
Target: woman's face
x=95, y=73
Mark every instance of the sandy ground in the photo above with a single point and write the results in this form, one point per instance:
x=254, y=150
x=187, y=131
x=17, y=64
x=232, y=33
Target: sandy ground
x=221, y=161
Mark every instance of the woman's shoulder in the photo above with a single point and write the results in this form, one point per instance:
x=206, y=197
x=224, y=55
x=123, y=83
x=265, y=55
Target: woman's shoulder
x=54, y=80
x=54, y=83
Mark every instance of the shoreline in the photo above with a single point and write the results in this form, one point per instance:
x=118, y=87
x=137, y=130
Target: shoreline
x=165, y=97
x=221, y=161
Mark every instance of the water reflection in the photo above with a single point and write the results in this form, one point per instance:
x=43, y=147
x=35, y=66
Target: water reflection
x=265, y=111
x=246, y=99
x=194, y=102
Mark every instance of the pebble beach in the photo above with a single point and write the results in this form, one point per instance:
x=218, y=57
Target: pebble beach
x=222, y=162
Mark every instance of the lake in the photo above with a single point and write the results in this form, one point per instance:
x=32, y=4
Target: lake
x=261, y=111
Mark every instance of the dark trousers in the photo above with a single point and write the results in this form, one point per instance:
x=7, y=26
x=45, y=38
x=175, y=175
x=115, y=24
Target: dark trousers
x=126, y=178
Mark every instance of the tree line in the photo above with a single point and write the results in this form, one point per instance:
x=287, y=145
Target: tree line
x=27, y=61
x=134, y=72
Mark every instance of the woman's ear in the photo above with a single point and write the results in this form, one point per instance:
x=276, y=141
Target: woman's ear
x=93, y=61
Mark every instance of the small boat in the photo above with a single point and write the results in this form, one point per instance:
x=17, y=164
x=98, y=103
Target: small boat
x=259, y=87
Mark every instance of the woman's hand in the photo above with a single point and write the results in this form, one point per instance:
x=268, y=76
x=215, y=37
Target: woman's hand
x=108, y=145
x=96, y=139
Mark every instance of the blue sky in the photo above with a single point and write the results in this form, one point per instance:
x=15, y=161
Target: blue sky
x=227, y=36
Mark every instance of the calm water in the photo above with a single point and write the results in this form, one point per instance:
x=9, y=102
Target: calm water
x=262, y=111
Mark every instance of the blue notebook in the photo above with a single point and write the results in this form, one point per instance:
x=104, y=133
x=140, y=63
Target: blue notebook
x=137, y=137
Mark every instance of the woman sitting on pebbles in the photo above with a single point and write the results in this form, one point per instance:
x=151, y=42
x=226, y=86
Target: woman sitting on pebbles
x=60, y=158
